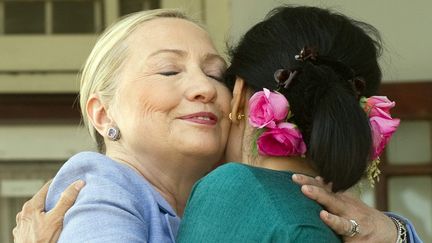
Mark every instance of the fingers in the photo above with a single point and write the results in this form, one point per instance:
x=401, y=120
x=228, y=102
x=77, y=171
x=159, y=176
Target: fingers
x=329, y=200
x=338, y=224
x=307, y=180
x=67, y=198
x=38, y=199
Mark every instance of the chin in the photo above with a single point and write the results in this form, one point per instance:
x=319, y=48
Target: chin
x=205, y=150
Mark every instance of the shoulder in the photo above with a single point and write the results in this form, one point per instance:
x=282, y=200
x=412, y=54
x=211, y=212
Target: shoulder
x=116, y=203
x=226, y=179
x=106, y=182
x=229, y=171
x=224, y=183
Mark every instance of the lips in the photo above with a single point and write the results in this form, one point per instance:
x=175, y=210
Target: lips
x=205, y=118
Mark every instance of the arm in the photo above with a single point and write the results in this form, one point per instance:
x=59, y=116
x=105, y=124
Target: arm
x=411, y=232
x=103, y=212
x=375, y=226
x=35, y=225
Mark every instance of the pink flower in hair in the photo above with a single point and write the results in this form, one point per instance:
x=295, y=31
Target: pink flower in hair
x=378, y=106
x=382, y=124
x=382, y=130
x=267, y=108
x=283, y=140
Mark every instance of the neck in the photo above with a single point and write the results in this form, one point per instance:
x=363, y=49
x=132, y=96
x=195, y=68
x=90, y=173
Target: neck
x=293, y=164
x=173, y=179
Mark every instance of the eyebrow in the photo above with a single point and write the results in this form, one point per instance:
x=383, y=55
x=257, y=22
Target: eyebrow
x=175, y=51
x=210, y=56
x=207, y=57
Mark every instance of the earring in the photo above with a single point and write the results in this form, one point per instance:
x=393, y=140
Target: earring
x=373, y=172
x=239, y=116
x=113, y=133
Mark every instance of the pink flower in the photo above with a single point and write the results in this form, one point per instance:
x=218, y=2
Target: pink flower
x=382, y=130
x=267, y=108
x=283, y=140
x=378, y=106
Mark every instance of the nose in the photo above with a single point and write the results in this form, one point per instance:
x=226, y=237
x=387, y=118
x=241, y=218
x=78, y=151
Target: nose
x=201, y=88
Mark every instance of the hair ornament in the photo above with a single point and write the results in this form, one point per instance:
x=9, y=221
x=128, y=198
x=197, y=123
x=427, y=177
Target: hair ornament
x=383, y=125
x=269, y=112
x=284, y=77
x=307, y=53
x=311, y=54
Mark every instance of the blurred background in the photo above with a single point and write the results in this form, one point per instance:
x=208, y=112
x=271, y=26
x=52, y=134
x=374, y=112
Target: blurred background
x=43, y=44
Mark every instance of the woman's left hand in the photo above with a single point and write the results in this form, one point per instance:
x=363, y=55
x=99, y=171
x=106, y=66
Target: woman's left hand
x=35, y=225
x=374, y=226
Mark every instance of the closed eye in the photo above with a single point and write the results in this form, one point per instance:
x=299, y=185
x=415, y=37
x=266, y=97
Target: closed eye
x=171, y=73
x=218, y=78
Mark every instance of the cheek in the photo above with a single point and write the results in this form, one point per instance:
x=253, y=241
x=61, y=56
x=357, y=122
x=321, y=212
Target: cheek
x=155, y=97
x=145, y=106
x=154, y=103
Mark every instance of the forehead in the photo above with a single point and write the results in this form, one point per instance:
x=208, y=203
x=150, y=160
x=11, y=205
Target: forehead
x=170, y=33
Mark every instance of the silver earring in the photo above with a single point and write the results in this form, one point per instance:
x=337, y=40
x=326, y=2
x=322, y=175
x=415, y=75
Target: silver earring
x=113, y=133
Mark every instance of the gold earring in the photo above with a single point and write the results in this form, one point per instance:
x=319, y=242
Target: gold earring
x=239, y=116
x=373, y=172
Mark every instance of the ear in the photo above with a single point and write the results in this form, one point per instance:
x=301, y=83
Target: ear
x=238, y=101
x=97, y=114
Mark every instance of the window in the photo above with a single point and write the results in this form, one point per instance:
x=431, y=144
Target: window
x=74, y=16
x=131, y=6
x=24, y=17
x=51, y=16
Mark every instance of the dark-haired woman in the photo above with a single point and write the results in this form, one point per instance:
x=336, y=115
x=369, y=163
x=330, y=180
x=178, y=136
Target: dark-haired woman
x=301, y=77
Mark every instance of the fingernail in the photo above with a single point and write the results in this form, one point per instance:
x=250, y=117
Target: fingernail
x=295, y=177
x=326, y=215
x=309, y=188
x=79, y=184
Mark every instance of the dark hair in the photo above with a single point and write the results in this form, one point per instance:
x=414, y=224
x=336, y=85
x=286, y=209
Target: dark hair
x=323, y=101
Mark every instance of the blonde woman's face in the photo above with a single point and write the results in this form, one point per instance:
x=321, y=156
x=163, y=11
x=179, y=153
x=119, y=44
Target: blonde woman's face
x=170, y=99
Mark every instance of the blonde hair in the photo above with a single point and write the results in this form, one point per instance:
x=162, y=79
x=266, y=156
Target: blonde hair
x=100, y=71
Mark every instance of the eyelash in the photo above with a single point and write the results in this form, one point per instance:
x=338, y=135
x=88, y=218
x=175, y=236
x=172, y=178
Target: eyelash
x=220, y=79
x=173, y=73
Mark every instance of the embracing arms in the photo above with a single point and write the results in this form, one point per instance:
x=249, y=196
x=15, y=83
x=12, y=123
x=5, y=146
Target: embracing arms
x=375, y=226
x=34, y=225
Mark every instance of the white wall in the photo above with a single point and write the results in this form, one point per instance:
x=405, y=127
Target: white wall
x=404, y=25
x=43, y=142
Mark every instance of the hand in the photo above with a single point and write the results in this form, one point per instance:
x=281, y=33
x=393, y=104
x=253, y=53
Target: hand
x=374, y=226
x=34, y=225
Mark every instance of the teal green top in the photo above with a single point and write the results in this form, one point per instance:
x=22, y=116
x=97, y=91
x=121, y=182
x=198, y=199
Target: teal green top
x=241, y=203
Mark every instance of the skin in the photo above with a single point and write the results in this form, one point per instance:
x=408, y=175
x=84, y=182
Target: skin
x=340, y=207
x=158, y=87
x=190, y=78
x=36, y=225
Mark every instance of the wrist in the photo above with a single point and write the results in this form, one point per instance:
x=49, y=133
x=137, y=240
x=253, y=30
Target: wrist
x=401, y=230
